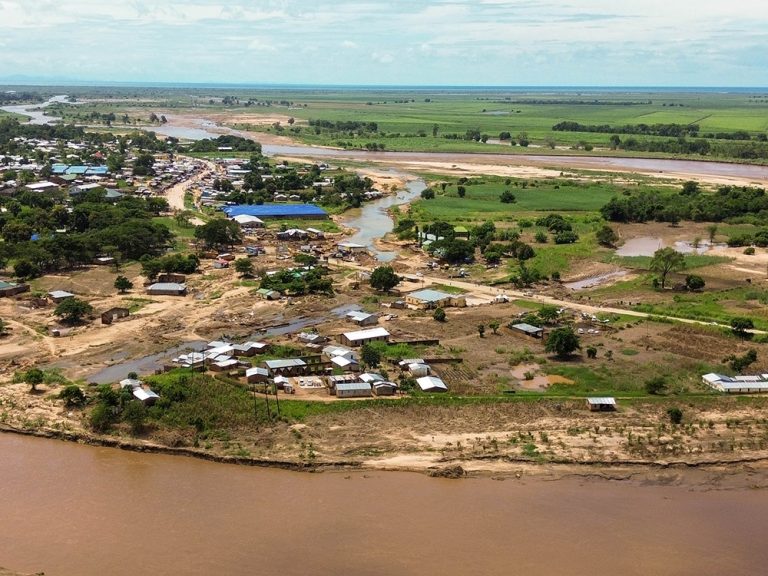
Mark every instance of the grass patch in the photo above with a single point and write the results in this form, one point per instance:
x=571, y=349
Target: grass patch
x=134, y=304
x=448, y=289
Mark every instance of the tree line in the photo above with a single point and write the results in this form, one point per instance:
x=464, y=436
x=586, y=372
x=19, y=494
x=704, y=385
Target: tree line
x=748, y=204
x=673, y=130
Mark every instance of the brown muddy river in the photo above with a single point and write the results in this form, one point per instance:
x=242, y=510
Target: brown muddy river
x=69, y=509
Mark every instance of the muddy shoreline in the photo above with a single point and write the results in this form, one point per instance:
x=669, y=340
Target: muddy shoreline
x=746, y=472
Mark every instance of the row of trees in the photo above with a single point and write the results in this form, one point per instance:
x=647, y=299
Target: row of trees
x=688, y=204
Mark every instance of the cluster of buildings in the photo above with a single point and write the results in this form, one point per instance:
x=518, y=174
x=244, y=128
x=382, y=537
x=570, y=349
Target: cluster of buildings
x=333, y=367
x=74, y=167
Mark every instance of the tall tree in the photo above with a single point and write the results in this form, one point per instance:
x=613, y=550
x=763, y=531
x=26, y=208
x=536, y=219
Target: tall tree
x=384, y=278
x=665, y=261
x=122, y=284
x=219, y=232
x=73, y=310
x=563, y=342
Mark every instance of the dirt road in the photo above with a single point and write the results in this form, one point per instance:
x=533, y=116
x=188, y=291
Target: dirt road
x=492, y=292
x=175, y=194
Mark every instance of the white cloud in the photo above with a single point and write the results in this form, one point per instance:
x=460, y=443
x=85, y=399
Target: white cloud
x=261, y=45
x=382, y=57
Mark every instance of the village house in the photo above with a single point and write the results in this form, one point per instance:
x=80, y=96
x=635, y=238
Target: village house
x=44, y=186
x=528, y=330
x=167, y=289
x=256, y=375
x=8, y=289
x=292, y=367
x=351, y=248
x=249, y=348
x=267, y=294
x=605, y=404
x=353, y=390
x=429, y=298
x=58, y=296
x=113, y=314
x=248, y=222
x=384, y=388
x=362, y=318
x=312, y=338
x=431, y=384
x=293, y=234
x=360, y=337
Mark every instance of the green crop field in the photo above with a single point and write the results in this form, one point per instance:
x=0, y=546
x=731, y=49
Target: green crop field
x=439, y=119
x=482, y=200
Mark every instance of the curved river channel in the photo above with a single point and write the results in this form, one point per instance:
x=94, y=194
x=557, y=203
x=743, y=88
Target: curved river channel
x=74, y=510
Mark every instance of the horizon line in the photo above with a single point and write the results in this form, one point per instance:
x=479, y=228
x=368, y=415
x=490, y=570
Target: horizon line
x=10, y=81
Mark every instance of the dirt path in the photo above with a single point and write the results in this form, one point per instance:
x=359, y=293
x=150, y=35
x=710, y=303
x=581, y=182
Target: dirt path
x=491, y=291
x=175, y=194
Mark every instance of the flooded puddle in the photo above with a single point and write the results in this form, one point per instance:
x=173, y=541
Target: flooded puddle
x=593, y=281
x=643, y=246
x=145, y=364
x=647, y=245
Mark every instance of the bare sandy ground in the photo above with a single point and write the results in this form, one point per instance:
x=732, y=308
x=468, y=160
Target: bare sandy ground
x=175, y=194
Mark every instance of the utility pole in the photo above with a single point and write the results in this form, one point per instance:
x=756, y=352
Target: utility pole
x=277, y=401
x=266, y=397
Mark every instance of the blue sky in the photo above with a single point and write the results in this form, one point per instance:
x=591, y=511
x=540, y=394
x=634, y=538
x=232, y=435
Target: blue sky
x=450, y=42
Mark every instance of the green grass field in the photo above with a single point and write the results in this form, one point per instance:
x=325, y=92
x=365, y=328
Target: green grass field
x=419, y=120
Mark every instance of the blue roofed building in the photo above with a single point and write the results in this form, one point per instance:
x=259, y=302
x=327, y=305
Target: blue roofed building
x=288, y=211
x=79, y=170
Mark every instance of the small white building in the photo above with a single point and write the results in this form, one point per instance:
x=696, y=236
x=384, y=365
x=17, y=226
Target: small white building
x=353, y=390
x=248, y=222
x=360, y=337
x=418, y=370
x=147, y=396
x=431, y=384
x=256, y=375
x=362, y=318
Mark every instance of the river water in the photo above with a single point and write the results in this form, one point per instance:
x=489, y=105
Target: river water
x=74, y=510
x=36, y=112
x=374, y=222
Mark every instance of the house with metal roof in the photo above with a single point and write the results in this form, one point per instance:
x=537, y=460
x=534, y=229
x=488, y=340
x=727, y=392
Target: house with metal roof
x=384, y=388
x=256, y=375
x=58, y=296
x=360, y=337
x=362, y=318
x=431, y=384
x=353, y=390
x=286, y=367
x=754, y=384
x=167, y=289
x=147, y=396
x=602, y=404
x=528, y=329
x=430, y=298
x=248, y=221
x=8, y=289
